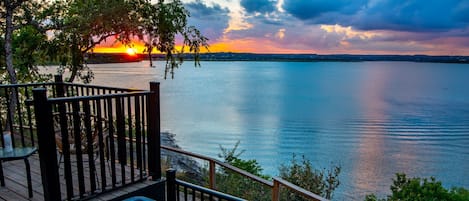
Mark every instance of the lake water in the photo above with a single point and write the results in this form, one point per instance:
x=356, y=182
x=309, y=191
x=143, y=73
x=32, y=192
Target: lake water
x=374, y=119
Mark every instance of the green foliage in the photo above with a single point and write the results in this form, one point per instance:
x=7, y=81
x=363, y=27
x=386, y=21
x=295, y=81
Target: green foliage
x=231, y=157
x=234, y=184
x=418, y=189
x=80, y=25
x=27, y=44
x=29, y=51
x=75, y=27
x=161, y=23
x=301, y=173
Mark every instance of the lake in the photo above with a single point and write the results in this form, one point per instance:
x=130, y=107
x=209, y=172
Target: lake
x=374, y=119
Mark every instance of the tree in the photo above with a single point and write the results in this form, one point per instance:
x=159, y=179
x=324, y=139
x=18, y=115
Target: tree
x=79, y=25
x=418, y=189
x=301, y=173
x=30, y=49
x=163, y=22
x=17, y=15
x=235, y=184
x=77, y=34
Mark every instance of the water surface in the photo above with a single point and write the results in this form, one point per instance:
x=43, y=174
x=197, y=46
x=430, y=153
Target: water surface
x=372, y=118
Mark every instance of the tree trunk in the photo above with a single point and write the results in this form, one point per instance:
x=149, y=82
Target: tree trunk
x=8, y=42
x=73, y=74
x=76, y=60
x=149, y=57
x=9, y=58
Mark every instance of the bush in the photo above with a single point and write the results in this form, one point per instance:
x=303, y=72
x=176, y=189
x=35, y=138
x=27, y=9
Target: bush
x=235, y=184
x=302, y=173
x=417, y=189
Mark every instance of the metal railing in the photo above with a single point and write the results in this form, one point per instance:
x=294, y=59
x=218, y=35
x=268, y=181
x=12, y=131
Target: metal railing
x=274, y=185
x=19, y=117
x=184, y=191
x=88, y=126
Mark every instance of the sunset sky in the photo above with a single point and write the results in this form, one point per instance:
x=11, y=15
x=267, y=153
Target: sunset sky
x=433, y=27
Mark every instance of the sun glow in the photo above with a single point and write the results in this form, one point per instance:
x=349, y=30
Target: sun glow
x=131, y=51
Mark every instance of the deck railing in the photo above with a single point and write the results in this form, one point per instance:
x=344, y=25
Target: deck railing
x=19, y=117
x=274, y=185
x=82, y=132
x=184, y=191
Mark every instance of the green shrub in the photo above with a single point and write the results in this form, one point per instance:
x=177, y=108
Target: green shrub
x=301, y=173
x=417, y=189
x=235, y=184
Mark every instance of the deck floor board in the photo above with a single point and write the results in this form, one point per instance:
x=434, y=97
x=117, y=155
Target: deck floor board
x=16, y=187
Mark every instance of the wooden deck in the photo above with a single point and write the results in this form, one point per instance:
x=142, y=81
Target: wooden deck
x=16, y=187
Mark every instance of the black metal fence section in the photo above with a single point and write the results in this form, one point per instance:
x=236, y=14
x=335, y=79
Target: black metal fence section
x=101, y=139
x=16, y=116
x=98, y=137
x=91, y=139
x=182, y=191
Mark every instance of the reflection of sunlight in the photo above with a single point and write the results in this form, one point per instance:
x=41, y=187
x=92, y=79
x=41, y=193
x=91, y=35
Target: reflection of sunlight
x=375, y=156
x=371, y=151
x=257, y=130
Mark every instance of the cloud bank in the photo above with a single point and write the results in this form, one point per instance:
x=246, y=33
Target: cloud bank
x=336, y=26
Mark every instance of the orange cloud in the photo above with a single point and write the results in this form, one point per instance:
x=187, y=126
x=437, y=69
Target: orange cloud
x=111, y=46
x=253, y=45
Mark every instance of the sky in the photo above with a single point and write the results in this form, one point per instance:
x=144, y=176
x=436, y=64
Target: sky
x=431, y=27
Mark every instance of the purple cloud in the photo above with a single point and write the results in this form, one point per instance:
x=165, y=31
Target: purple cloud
x=363, y=26
x=319, y=11
x=259, y=6
x=211, y=20
x=412, y=15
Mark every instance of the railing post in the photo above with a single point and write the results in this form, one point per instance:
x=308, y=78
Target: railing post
x=171, y=184
x=153, y=135
x=212, y=175
x=47, y=147
x=275, y=190
x=59, y=87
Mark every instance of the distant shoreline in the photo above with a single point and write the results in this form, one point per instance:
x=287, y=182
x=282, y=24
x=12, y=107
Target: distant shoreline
x=96, y=58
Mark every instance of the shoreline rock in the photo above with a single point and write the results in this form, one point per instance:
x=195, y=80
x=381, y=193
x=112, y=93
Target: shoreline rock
x=180, y=162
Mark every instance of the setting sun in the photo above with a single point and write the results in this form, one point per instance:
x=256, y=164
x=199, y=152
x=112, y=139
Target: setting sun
x=131, y=51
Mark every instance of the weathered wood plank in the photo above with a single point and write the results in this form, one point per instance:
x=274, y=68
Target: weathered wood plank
x=16, y=183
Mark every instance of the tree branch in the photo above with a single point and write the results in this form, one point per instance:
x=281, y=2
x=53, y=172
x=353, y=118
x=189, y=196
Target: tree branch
x=15, y=5
x=101, y=39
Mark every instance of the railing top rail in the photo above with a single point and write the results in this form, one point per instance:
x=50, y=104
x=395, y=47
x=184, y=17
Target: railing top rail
x=209, y=191
x=300, y=190
x=69, y=84
x=281, y=181
x=233, y=168
x=102, y=87
x=96, y=97
x=26, y=84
